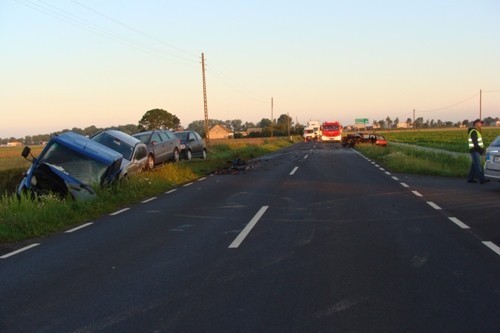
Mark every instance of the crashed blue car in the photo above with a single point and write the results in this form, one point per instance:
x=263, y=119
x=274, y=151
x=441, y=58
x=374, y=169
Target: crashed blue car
x=70, y=165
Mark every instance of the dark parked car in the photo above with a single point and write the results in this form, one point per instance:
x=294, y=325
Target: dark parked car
x=163, y=146
x=135, y=153
x=70, y=164
x=192, y=144
x=354, y=138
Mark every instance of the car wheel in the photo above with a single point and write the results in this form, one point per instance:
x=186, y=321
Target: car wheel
x=151, y=162
x=204, y=154
x=187, y=155
x=176, y=155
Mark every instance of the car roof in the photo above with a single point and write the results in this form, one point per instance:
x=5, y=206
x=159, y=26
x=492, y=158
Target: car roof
x=122, y=136
x=86, y=146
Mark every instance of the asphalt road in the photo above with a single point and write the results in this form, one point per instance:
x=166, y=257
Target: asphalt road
x=314, y=238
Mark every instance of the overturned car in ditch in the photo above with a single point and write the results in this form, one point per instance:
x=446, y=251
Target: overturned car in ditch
x=70, y=165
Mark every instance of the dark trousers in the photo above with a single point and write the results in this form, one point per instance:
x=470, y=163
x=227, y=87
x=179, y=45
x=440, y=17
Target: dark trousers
x=476, y=168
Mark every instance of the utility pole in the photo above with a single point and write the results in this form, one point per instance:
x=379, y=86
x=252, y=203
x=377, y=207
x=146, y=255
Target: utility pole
x=207, y=136
x=288, y=120
x=480, y=102
x=272, y=118
x=414, y=123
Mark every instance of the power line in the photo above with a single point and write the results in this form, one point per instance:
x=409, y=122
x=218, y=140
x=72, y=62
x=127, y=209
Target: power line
x=82, y=23
x=450, y=106
x=132, y=28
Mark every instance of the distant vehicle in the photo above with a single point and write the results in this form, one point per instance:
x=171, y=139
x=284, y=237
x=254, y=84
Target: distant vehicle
x=70, y=165
x=135, y=153
x=312, y=130
x=331, y=131
x=163, y=146
x=360, y=137
x=492, y=164
x=192, y=144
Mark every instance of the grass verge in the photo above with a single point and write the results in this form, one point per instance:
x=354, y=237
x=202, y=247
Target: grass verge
x=417, y=161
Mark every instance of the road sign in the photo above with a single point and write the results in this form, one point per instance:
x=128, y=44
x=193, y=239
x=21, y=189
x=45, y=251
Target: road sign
x=363, y=121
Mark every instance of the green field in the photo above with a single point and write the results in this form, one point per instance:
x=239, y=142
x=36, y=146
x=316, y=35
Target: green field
x=447, y=139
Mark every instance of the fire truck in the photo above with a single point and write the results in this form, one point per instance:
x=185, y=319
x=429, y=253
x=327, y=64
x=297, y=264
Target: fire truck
x=331, y=131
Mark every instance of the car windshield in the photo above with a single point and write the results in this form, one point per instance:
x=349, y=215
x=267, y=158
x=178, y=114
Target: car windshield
x=331, y=127
x=84, y=168
x=115, y=144
x=182, y=135
x=496, y=142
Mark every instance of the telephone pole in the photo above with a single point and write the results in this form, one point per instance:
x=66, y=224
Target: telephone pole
x=480, y=102
x=207, y=136
x=272, y=118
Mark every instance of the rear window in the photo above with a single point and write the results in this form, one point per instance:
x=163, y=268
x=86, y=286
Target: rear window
x=115, y=144
x=182, y=135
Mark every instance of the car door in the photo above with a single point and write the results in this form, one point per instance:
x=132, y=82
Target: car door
x=159, y=147
x=139, y=159
x=171, y=141
x=196, y=143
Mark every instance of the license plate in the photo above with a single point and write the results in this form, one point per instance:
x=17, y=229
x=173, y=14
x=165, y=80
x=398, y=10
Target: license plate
x=496, y=159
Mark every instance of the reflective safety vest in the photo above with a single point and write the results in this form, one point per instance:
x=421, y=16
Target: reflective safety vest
x=479, y=139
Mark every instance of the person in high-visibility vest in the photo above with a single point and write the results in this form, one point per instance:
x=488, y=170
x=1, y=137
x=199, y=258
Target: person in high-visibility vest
x=476, y=149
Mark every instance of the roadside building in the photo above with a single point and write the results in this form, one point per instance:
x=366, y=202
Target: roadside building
x=220, y=132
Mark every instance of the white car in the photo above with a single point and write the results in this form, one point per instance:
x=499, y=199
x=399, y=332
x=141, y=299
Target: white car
x=492, y=164
x=134, y=151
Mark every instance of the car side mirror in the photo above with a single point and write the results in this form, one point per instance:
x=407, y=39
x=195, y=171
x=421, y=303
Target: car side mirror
x=26, y=151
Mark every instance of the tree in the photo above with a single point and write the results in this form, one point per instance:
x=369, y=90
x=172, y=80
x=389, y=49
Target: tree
x=409, y=122
x=388, y=121
x=265, y=123
x=158, y=118
x=284, y=123
x=237, y=125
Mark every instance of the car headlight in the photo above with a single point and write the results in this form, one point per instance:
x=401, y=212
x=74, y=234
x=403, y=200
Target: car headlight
x=183, y=146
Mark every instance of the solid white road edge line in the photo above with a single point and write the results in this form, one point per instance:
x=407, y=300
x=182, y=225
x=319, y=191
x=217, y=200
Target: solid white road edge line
x=433, y=205
x=148, y=200
x=293, y=171
x=459, y=223
x=493, y=247
x=78, y=228
x=119, y=212
x=244, y=233
x=19, y=251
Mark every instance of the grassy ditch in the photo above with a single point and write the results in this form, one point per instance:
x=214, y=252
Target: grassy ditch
x=22, y=219
x=414, y=160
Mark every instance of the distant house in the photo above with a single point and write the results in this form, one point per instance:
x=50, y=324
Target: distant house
x=254, y=130
x=220, y=132
x=14, y=144
x=403, y=125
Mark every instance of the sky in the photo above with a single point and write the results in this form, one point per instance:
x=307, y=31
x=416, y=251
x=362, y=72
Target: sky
x=78, y=63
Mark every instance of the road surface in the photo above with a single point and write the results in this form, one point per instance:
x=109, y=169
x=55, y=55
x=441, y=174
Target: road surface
x=313, y=238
